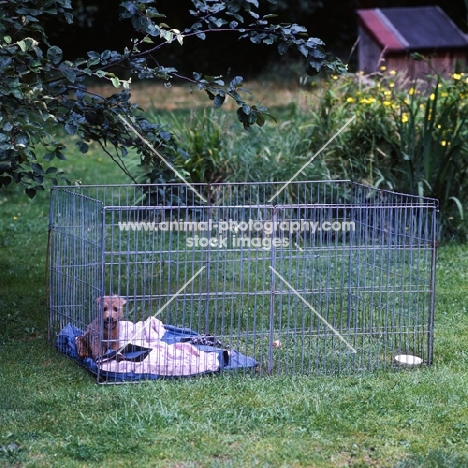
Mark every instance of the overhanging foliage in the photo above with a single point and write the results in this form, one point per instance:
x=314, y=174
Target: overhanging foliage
x=42, y=90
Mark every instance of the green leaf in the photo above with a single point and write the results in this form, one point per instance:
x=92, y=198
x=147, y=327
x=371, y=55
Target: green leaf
x=106, y=55
x=283, y=48
x=37, y=168
x=168, y=36
x=54, y=54
x=153, y=13
x=219, y=100
x=236, y=82
x=69, y=74
x=252, y=117
x=23, y=46
x=241, y=115
x=115, y=81
x=459, y=205
x=22, y=140
x=30, y=192
x=417, y=56
x=94, y=55
x=82, y=146
x=71, y=128
x=93, y=61
x=236, y=96
x=260, y=119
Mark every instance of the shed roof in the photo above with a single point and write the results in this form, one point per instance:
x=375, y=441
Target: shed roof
x=412, y=29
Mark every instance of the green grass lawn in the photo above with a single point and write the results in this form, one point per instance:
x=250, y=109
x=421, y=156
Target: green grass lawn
x=53, y=413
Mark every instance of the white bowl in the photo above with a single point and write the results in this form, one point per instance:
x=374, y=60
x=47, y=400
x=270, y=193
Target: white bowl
x=408, y=360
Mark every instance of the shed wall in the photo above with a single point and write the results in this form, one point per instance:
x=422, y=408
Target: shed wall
x=369, y=52
x=442, y=63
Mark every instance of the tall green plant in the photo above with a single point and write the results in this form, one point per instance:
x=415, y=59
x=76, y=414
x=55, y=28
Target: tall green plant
x=432, y=131
x=201, y=154
x=408, y=136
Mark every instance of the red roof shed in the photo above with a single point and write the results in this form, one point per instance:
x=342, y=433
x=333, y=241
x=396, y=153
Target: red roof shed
x=389, y=36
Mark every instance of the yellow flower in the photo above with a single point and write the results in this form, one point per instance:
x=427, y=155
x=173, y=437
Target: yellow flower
x=387, y=92
x=411, y=91
x=335, y=77
x=350, y=99
x=369, y=100
x=443, y=143
x=392, y=72
x=404, y=117
x=456, y=76
x=387, y=103
x=391, y=84
x=432, y=97
x=383, y=68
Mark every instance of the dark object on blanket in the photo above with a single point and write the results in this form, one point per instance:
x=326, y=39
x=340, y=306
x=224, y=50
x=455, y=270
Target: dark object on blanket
x=203, y=340
x=131, y=352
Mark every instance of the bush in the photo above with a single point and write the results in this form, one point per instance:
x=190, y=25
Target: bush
x=407, y=136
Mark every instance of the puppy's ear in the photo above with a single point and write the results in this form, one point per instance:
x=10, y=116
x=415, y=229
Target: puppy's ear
x=122, y=301
x=102, y=301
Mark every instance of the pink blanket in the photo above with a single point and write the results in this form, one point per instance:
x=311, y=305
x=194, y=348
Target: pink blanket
x=165, y=359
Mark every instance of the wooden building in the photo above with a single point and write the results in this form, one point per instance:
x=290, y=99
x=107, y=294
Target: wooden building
x=389, y=36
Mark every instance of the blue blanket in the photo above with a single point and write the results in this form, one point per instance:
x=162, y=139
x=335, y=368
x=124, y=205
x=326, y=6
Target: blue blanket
x=228, y=361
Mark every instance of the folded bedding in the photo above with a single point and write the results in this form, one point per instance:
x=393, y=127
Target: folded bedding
x=150, y=349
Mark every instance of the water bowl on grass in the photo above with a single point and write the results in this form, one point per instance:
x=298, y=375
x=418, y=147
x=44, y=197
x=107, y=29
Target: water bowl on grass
x=408, y=360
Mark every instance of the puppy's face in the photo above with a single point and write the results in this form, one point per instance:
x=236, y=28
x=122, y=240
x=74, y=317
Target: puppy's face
x=113, y=310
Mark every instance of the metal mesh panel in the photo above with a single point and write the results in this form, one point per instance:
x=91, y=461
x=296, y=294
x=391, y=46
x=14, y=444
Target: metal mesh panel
x=318, y=277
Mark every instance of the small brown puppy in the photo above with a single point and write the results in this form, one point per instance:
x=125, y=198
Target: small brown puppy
x=89, y=344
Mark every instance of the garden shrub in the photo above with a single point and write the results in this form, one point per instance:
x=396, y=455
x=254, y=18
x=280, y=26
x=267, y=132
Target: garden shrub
x=408, y=136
